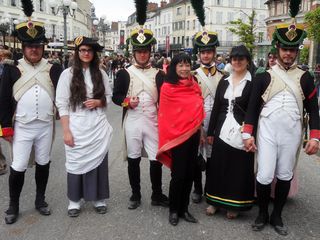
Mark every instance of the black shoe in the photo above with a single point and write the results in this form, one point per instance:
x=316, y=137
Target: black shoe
x=73, y=212
x=11, y=215
x=276, y=222
x=101, y=209
x=134, y=204
x=188, y=217
x=44, y=210
x=196, y=197
x=260, y=222
x=163, y=201
x=173, y=218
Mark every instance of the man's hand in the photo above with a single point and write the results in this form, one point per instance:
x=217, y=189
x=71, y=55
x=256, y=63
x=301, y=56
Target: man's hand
x=134, y=102
x=249, y=145
x=311, y=147
x=68, y=138
x=8, y=139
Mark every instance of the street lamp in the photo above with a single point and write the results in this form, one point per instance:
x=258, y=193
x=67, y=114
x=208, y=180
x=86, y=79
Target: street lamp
x=4, y=27
x=66, y=7
x=15, y=22
x=101, y=25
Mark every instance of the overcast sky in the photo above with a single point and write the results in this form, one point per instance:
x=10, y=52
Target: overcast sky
x=115, y=9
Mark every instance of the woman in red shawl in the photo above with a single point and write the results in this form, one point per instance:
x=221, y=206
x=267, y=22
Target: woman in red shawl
x=180, y=117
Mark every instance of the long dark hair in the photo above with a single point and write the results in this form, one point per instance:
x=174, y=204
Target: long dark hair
x=172, y=76
x=78, y=86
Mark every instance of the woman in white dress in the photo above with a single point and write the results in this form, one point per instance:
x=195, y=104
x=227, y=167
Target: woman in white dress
x=83, y=93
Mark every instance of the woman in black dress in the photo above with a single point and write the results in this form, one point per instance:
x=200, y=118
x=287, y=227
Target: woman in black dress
x=230, y=171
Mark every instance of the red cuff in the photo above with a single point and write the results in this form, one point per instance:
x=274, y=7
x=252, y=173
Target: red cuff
x=313, y=93
x=126, y=103
x=247, y=128
x=315, y=133
x=7, y=132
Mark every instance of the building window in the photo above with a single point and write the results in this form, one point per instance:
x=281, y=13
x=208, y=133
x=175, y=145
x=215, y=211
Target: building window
x=243, y=3
x=187, y=41
x=260, y=37
x=230, y=16
x=188, y=10
x=41, y=5
x=229, y=37
x=219, y=18
x=179, y=11
x=174, y=40
x=194, y=24
x=188, y=25
x=219, y=2
x=178, y=41
x=13, y=3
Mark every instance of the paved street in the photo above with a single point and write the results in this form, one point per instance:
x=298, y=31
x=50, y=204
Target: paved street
x=302, y=213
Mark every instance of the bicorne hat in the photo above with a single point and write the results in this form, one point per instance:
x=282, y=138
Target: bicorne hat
x=81, y=40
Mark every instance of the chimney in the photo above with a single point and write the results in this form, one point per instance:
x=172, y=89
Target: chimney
x=163, y=4
x=152, y=6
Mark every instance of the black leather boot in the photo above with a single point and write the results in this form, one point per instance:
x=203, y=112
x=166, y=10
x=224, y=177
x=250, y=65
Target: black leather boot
x=134, y=179
x=41, y=177
x=16, y=181
x=157, y=197
x=280, y=197
x=263, y=195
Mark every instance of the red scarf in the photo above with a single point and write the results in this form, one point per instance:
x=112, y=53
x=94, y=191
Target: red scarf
x=180, y=115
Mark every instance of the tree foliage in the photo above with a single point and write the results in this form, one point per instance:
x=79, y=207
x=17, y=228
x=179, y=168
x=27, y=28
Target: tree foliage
x=312, y=20
x=304, y=55
x=245, y=31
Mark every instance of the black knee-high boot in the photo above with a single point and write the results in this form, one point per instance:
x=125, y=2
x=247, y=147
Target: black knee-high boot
x=280, y=197
x=41, y=177
x=263, y=195
x=134, y=179
x=157, y=198
x=16, y=181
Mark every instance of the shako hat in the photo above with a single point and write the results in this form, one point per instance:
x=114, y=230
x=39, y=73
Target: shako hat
x=141, y=38
x=82, y=40
x=31, y=32
x=203, y=40
x=289, y=35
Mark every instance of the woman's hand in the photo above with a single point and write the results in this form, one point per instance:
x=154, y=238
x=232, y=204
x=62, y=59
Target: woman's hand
x=68, y=138
x=92, y=103
x=202, y=137
x=311, y=147
x=210, y=140
x=249, y=145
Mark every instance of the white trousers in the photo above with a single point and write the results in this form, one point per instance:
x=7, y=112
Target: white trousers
x=142, y=132
x=278, y=140
x=36, y=133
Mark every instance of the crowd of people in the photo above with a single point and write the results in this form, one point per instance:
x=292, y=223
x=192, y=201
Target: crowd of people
x=211, y=117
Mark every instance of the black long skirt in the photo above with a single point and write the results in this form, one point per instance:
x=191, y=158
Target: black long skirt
x=230, y=177
x=91, y=186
